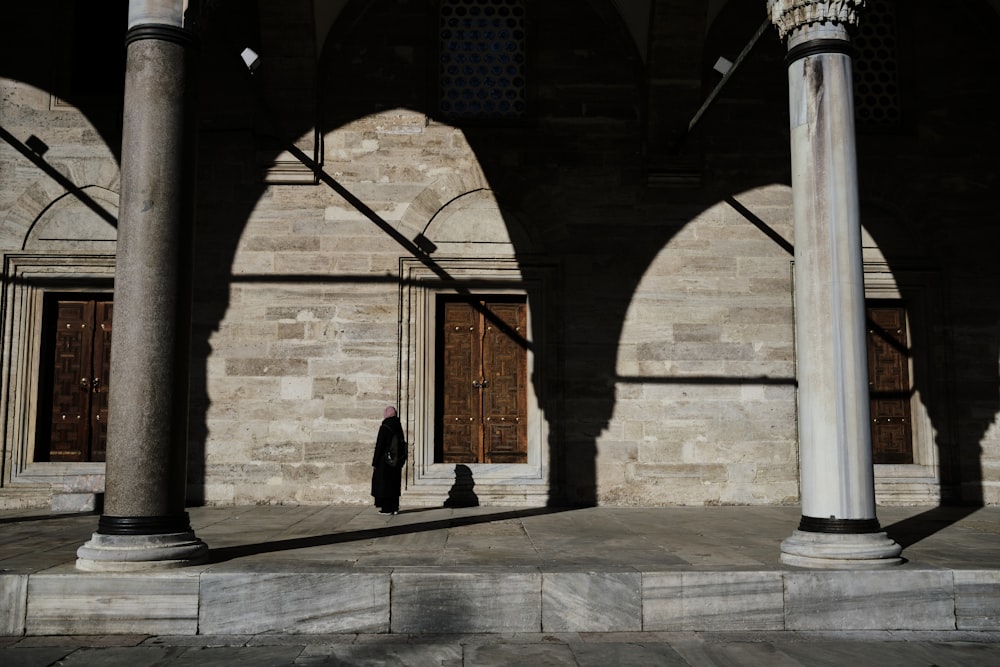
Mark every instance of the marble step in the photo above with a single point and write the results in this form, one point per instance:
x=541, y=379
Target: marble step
x=311, y=598
x=26, y=497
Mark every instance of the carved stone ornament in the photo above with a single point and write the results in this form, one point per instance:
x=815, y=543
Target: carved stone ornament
x=789, y=15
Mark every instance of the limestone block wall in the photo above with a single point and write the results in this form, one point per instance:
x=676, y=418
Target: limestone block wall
x=705, y=394
x=305, y=352
x=669, y=351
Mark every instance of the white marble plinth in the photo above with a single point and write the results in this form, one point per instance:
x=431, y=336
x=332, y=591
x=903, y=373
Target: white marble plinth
x=592, y=602
x=839, y=551
x=898, y=599
x=162, y=603
x=705, y=601
x=74, y=502
x=977, y=600
x=13, y=603
x=303, y=601
x=484, y=601
x=128, y=553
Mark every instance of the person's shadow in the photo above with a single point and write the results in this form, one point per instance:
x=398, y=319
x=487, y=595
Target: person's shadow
x=461, y=493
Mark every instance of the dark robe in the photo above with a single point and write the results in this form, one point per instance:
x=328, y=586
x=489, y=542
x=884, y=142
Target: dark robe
x=386, y=479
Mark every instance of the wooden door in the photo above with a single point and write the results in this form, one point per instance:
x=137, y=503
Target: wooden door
x=482, y=381
x=100, y=379
x=76, y=390
x=889, y=384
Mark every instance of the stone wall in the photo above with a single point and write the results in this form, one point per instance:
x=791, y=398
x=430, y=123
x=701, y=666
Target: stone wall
x=665, y=367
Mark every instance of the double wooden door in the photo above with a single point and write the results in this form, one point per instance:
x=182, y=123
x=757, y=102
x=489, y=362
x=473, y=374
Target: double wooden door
x=73, y=419
x=889, y=389
x=482, y=381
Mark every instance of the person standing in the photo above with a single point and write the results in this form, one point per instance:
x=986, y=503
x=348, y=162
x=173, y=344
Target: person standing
x=387, y=469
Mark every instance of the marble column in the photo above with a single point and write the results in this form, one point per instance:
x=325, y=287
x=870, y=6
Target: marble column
x=145, y=524
x=838, y=528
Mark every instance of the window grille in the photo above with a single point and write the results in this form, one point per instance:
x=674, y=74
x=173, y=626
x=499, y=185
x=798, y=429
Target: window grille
x=876, y=67
x=481, y=66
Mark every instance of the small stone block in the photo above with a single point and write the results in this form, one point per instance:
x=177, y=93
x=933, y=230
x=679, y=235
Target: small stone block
x=466, y=602
x=74, y=502
x=120, y=603
x=977, y=600
x=707, y=601
x=294, y=602
x=591, y=602
x=13, y=603
x=870, y=600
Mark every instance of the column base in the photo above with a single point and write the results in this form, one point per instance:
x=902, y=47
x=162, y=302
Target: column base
x=840, y=551
x=130, y=553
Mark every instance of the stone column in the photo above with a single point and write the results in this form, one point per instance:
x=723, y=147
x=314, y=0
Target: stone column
x=145, y=524
x=838, y=528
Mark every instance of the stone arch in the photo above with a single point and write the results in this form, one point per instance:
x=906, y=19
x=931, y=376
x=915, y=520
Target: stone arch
x=459, y=209
x=438, y=195
x=85, y=220
x=45, y=200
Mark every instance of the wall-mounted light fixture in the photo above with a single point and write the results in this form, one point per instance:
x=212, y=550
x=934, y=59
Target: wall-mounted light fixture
x=250, y=59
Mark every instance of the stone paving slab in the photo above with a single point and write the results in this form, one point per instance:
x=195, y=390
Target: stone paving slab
x=621, y=649
x=682, y=538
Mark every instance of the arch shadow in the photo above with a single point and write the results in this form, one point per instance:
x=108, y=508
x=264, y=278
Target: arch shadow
x=574, y=175
x=585, y=203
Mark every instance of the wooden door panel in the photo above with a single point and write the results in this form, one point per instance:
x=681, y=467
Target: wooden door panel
x=505, y=442
x=893, y=438
x=483, y=382
x=460, y=413
x=460, y=441
x=100, y=380
x=889, y=385
x=75, y=385
x=505, y=395
x=70, y=417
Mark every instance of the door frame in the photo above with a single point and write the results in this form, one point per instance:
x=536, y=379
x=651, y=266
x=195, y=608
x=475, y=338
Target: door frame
x=920, y=291
x=28, y=277
x=421, y=282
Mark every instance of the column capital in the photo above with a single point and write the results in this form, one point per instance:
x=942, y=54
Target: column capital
x=790, y=15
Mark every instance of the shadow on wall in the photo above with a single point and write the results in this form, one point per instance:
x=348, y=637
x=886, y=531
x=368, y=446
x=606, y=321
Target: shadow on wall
x=551, y=174
x=932, y=206
x=573, y=176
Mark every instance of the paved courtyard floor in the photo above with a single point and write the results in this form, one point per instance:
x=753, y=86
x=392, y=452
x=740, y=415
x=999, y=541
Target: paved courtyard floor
x=642, y=539
x=643, y=649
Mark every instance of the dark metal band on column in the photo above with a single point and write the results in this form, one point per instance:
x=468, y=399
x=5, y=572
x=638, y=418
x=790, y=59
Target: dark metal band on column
x=817, y=47
x=144, y=525
x=811, y=524
x=161, y=32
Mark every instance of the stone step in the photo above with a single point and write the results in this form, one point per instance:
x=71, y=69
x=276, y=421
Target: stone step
x=308, y=598
x=26, y=497
x=47, y=498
